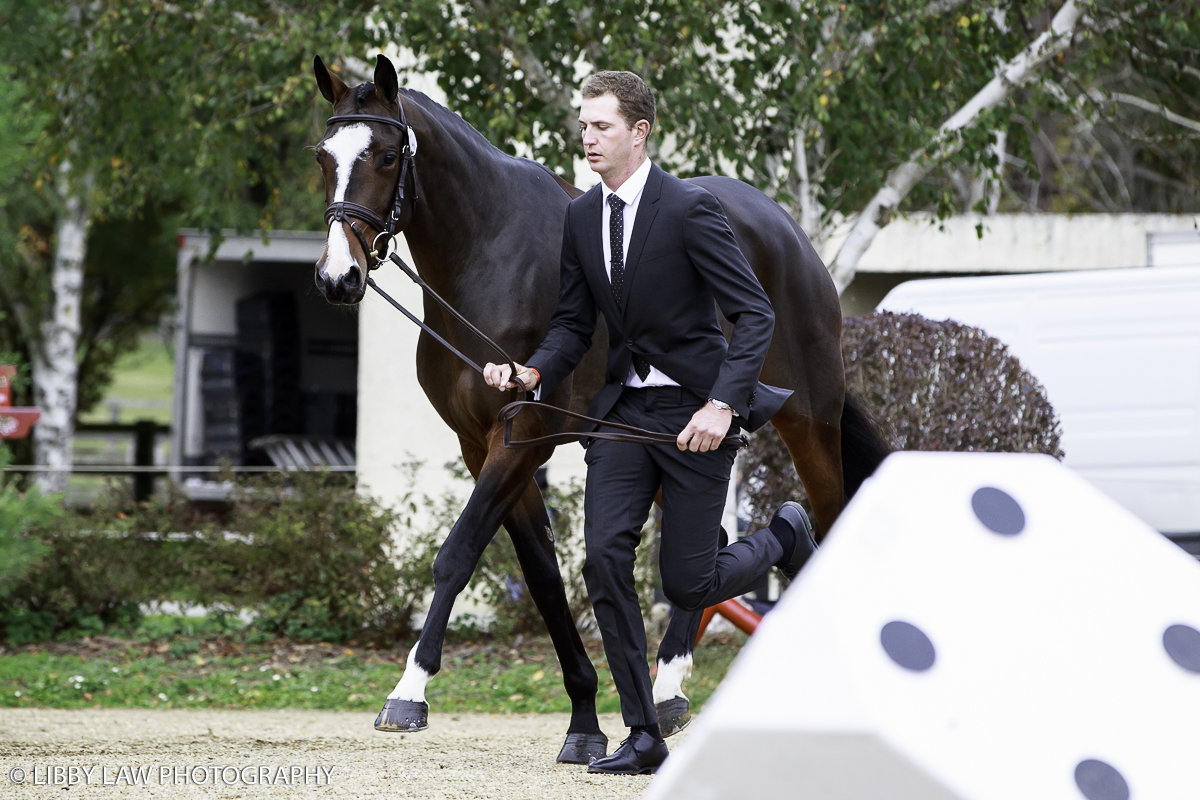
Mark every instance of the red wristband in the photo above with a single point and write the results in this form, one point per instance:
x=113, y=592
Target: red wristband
x=537, y=374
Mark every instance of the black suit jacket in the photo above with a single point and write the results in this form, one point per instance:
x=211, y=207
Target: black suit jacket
x=681, y=257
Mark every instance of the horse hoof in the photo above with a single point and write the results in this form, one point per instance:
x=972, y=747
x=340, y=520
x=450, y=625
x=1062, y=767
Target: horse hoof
x=403, y=716
x=583, y=748
x=673, y=715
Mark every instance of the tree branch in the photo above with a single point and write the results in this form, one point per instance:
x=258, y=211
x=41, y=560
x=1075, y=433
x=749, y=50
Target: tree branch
x=1145, y=105
x=882, y=207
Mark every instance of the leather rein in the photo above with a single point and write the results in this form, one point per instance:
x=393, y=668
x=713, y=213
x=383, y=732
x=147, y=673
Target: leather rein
x=403, y=207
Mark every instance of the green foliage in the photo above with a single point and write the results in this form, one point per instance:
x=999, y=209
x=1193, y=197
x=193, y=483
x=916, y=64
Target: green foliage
x=323, y=563
x=929, y=385
x=155, y=115
x=21, y=513
x=862, y=86
x=311, y=556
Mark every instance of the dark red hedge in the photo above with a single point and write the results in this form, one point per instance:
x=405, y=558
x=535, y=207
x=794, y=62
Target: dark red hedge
x=929, y=386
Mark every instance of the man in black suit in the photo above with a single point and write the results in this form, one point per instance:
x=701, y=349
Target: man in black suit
x=656, y=256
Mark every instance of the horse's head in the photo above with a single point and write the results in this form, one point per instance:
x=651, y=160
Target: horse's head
x=362, y=160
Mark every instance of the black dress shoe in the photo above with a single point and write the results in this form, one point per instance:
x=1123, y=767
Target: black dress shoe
x=793, y=515
x=640, y=754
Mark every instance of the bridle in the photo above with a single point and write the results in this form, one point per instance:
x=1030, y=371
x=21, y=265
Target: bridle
x=404, y=198
x=403, y=208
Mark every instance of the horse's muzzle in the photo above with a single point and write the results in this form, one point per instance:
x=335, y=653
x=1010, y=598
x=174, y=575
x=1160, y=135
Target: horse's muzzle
x=345, y=290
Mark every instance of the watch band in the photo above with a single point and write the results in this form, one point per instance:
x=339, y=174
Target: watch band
x=722, y=405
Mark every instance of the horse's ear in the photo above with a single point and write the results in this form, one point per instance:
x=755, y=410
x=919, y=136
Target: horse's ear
x=331, y=86
x=386, y=82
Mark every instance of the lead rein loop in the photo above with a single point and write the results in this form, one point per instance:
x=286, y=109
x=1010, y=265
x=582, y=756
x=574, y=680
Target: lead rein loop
x=623, y=433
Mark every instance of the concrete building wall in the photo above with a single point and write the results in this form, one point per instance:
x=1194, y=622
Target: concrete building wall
x=921, y=247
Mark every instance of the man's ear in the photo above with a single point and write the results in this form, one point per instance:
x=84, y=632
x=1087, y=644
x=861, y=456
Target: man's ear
x=386, y=83
x=642, y=127
x=331, y=86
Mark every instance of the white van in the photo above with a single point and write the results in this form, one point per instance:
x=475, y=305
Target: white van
x=1119, y=354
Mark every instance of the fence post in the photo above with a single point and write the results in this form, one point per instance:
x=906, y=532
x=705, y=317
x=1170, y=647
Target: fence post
x=143, y=456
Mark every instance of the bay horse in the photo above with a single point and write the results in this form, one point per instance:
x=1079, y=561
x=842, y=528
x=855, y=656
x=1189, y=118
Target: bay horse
x=485, y=231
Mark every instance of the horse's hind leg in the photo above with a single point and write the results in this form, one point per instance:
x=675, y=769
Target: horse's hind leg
x=816, y=451
x=529, y=527
x=675, y=666
x=500, y=481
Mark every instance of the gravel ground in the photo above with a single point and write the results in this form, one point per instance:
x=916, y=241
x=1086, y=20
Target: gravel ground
x=460, y=756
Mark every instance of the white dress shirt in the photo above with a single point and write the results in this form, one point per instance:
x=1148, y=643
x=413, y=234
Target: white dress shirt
x=631, y=192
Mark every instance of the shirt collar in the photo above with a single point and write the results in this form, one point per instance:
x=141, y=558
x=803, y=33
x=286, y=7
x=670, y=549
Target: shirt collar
x=633, y=185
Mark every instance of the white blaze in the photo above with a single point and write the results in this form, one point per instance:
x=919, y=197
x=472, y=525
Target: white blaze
x=412, y=683
x=671, y=674
x=346, y=146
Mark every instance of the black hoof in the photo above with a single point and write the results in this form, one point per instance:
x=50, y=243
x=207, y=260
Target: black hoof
x=583, y=748
x=403, y=716
x=673, y=715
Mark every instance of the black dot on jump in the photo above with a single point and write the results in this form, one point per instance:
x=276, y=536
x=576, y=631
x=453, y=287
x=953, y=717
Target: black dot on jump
x=1182, y=643
x=907, y=645
x=1099, y=781
x=998, y=511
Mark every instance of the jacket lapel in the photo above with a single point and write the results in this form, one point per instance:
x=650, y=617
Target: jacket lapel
x=593, y=258
x=647, y=210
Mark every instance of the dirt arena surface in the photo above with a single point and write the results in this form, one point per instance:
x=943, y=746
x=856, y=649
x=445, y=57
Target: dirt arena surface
x=233, y=754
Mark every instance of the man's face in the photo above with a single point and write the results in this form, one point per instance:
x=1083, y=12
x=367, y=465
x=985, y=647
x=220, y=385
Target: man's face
x=608, y=142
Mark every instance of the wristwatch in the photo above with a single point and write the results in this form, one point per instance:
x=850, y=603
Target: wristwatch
x=721, y=405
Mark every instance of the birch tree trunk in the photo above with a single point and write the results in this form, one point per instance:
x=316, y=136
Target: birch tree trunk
x=55, y=370
x=882, y=207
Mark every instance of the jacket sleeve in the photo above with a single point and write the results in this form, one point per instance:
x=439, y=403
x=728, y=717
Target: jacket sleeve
x=715, y=254
x=572, y=325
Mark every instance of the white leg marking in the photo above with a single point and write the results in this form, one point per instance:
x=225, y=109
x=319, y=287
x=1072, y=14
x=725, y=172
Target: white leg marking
x=412, y=683
x=346, y=146
x=670, y=678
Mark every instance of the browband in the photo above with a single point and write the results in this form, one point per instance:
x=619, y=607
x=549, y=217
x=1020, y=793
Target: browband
x=366, y=118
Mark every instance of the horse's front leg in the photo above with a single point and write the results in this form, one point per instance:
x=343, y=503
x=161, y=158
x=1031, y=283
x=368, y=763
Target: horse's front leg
x=529, y=528
x=499, y=484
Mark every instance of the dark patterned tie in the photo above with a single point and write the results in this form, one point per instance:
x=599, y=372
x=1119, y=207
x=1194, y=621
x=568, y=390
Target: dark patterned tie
x=616, y=246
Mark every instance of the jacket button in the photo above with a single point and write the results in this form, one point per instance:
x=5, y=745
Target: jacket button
x=629, y=342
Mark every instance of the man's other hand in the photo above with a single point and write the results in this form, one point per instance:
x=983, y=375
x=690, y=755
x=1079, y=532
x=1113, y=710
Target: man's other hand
x=499, y=376
x=707, y=429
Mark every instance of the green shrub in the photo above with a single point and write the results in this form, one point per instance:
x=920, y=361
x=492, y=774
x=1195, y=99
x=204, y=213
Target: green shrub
x=20, y=513
x=929, y=385
x=323, y=562
x=311, y=556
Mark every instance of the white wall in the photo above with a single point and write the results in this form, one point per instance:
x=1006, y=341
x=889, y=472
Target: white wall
x=396, y=422
x=1020, y=242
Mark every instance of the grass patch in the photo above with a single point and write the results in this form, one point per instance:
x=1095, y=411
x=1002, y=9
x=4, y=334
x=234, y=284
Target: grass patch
x=206, y=672
x=145, y=379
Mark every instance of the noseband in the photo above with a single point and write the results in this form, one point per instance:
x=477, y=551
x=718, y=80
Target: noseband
x=404, y=198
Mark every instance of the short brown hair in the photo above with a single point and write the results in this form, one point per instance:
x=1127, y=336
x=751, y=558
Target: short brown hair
x=635, y=101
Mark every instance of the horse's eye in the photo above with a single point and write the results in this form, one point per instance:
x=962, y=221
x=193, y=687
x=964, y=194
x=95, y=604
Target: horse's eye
x=389, y=158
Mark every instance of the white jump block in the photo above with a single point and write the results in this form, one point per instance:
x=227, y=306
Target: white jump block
x=976, y=626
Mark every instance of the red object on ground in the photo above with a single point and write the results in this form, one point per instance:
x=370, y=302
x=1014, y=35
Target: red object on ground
x=742, y=616
x=14, y=422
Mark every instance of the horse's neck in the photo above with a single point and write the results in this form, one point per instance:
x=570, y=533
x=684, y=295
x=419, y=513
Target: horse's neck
x=460, y=180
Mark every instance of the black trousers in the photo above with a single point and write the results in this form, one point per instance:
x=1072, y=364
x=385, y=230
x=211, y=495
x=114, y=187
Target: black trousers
x=622, y=481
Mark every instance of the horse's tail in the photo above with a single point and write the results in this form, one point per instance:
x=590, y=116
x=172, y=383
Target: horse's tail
x=863, y=447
